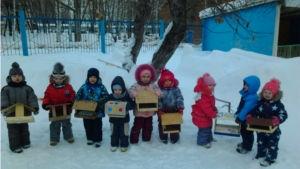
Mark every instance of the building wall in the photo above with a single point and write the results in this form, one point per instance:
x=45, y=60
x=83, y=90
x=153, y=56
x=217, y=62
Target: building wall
x=254, y=33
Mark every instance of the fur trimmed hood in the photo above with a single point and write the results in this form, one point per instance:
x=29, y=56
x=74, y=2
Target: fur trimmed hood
x=143, y=67
x=66, y=81
x=277, y=97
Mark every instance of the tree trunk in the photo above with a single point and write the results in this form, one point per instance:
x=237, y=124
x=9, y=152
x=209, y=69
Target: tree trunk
x=143, y=10
x=171, y=41
x=77, y=15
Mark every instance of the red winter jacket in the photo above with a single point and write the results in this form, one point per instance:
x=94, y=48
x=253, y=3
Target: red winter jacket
x=204, y=110
x=62, y=95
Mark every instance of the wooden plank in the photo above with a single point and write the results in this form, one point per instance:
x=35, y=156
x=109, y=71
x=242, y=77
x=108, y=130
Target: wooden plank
x=174, y=128
x=17, y=120
x=171, y=118
x=59, y=118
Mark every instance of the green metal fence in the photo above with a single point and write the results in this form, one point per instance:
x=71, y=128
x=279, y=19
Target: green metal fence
x=288, y=51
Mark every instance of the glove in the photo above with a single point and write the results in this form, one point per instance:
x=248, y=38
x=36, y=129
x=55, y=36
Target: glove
x=98, y=107
x=70, y=104
x=159, y=113
x=180, y=111
x=248, y=116
x=3, y=114
x=276, y=120
x=237, y=120
x=158, y=93
x=133, y=94
x=46, y=107
x=36, y=111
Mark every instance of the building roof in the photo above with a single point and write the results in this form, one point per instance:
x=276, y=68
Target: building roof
x=230, y=7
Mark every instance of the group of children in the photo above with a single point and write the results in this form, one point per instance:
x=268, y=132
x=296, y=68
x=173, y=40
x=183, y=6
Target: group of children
x=59, y=91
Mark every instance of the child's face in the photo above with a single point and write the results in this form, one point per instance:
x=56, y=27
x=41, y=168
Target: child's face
x=145, y=78
x=167, y=82
x=245, y=87
x=267, y=95
x=58, y=80
x=212, y=87
x=93, y=79
x=17, y=78
x=117, y=92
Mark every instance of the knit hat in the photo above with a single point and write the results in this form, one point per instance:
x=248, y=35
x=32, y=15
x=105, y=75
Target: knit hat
x=15, y=70
x=58, y=70
x=208, y=80
x=117, y=86
x=146, y=71
x=273, y=86
x=93, y=72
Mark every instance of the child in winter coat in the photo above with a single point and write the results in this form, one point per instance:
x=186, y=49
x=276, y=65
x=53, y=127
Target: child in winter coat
x=204, y=110
x=119, y=127
x=16, y=91
x=171, y=102
x=246, y=105
x=59, y=91
x=269, y=106
x=145, y=75
x=93, y=90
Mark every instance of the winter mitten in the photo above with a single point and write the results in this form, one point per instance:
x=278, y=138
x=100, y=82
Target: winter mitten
x=3, y=114
x=276, y=120
x=180, y=111
x=46, y=107
x=159, y=113
x=36, y=111
x=158, y=93
x=70, y=104
x=248, y=116
x=237, y=120
x=133, y=94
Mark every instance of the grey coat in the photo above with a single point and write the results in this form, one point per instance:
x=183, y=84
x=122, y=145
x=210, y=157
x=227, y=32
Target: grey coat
x=23, y=94
x=172, y=98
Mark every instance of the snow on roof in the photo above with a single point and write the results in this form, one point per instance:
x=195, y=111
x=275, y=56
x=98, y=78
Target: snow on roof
x=230, y=7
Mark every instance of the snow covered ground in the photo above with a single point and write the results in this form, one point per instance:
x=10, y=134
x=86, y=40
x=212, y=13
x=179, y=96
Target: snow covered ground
x=228, y=69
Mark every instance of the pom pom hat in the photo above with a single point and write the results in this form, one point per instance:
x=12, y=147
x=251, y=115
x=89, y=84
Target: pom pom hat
x=58, y=70
x=15, y=70
x=208, y=80
x=273, y=86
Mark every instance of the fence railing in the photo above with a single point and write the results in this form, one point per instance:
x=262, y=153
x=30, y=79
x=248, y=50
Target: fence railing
x=27, y=36
x=288, y=51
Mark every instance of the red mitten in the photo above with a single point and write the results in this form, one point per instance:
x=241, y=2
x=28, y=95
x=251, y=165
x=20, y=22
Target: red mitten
x=180, y=111
x=133, y=94
x=159, y=113
x=276, y=120
x=248, y=116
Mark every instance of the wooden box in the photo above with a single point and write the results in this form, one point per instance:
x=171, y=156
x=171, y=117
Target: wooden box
x=171, y=122
x=55, y=116
x=115, y=109
x=261, y=125
x=226, y=126
x=19, y=109
x=146, y=100
x=85, y=109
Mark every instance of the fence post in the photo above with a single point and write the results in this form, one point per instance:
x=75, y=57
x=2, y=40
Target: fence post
x=161, y=29
x=190, y=36
x=102, y=25
x=23, y=33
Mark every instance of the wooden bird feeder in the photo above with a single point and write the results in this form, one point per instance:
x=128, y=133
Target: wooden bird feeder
x=146, y=100
x=225, y=124
x=115, y=109
x=85, y=109
x=55, y=116
x=171, y=122
x=19, y=109
x=261, y=125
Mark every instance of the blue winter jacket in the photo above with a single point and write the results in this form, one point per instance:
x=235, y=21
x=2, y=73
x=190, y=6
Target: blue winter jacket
x=93, y=92
x=249, y=98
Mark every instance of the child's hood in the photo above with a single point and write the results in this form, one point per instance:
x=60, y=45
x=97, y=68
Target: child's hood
x=118, y=80
x=253, y=83
x=66, y=81
x=277, y=97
